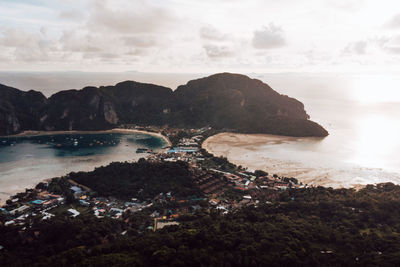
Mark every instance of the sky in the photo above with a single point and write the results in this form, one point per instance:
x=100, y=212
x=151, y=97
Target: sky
x=188, y=36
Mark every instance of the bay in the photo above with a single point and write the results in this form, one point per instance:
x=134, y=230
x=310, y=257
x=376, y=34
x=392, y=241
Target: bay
x=25, y=161
x=362, y=115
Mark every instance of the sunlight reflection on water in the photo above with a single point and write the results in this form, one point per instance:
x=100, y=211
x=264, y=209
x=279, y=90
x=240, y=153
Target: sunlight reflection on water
x=362, y=117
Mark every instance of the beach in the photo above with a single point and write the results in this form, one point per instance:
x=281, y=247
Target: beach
x=115, y=130
x=16, y=176
x=242, y=149
x=293, y=157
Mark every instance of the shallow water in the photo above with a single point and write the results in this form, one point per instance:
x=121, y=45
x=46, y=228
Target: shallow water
x=25, y=161
x=362, y=115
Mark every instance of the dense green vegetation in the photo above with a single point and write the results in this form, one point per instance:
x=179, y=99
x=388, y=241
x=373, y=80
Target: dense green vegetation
x=221, y=163
x=174, y=139
x=303, y=227
x=222, y=101
x=50, y=237
x=234, y=101
x=142, y=180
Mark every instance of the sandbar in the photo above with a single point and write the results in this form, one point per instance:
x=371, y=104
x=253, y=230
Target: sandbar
x=253, y=152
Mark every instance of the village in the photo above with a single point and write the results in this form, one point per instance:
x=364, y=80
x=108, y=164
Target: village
x=225, y=187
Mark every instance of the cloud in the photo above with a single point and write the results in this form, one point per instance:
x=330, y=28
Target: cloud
x=135, y=52
x=394, y=22
x=393, y=49
x=212, y=34
x=347, y=5
x=117, y=27
x=358, y=48
x=218, y=45
x=103, y=56
x=143, y=41
x=106, y=33
x=139, y=17
x=215, y=51
x=74, y=41
x=71, y=14
x=269, y=37
x=26, y=46
x=391, y=45
x=374, y=46
x=177, y=35
x=13, y=37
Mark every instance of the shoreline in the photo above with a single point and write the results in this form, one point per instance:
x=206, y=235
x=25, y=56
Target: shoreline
x=244, y=150
x=20, y=186
x=115, y=130
x=70, y=164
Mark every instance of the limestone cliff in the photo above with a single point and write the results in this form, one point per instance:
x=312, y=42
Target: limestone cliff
x=223, y=101
x=19, y=110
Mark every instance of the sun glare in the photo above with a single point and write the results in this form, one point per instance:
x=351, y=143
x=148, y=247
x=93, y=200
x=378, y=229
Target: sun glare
x=376, y=89
x=376, y=138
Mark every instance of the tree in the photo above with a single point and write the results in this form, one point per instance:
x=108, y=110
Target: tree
x=259, y=173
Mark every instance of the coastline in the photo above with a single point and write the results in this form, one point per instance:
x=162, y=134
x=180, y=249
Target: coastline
x=72, y=164
x=115, y=130
x=256, y=139
x=244, y=150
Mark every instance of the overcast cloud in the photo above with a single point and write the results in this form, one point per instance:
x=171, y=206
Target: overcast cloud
x=394, y=22
x=269, y=37
x=358, y=48
x=211, y=33
x=198, y=36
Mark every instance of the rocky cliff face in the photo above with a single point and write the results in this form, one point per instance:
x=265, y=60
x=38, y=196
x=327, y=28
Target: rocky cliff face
x=238, y=92
x=225, y=100
x=237, y=102
x=139, y=102
x=19, y=110
x=86, y=109
x=105, y=107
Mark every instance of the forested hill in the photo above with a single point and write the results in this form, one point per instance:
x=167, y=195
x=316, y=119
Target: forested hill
x=237, y=102
x=307, y=227
x=142, y=180
x=223, y=101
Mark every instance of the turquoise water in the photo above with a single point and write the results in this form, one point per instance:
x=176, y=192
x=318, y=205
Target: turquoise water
x=75, y=145
x=25, y=161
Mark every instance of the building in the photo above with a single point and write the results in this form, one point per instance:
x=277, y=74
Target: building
x=160, y=225
x=74, y=212
x=19, y=210
x=37, y=202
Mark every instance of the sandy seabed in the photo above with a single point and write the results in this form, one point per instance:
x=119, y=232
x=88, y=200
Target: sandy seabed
x=244, y=150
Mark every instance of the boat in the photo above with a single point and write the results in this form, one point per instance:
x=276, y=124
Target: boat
x=143, y=150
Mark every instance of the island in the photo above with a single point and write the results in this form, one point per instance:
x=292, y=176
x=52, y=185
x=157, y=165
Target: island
x=186, y=207
x=233, y=102
x=182, y=205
